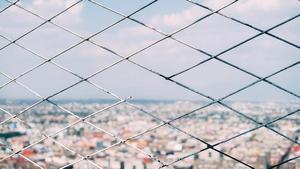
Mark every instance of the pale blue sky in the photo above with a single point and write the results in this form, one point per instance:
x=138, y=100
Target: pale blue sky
x=261, y=56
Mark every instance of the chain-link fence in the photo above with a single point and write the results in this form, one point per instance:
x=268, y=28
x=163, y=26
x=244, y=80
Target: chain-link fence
x=161, y=124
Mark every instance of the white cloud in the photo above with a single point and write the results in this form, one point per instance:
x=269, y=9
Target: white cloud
x=49, y=8
x=246, y=6
x=18, y=21
x=269, y=5
x=73, y=16
x=252, y=10
x=176, y=19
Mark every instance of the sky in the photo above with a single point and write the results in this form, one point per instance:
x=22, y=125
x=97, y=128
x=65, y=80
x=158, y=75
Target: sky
x=261, y=56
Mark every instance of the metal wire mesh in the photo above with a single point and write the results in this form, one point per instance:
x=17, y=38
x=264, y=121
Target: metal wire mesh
x=170, y=78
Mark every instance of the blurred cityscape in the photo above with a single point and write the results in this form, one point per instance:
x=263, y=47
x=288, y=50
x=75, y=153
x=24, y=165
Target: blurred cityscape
x=96, y=136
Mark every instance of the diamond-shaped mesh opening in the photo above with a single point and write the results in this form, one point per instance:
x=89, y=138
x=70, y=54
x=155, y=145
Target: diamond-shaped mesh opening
x=291, y=164
x=20, y=94
x=4, y=5
x=214, y=123
x=3, y=42
x=207, y=159
x=48, y=9
x=124, y=155
x=127, y=32
x=87, y=57
x=169, y=57
x=178, y=14
x=85, y=165
x=168, y=110
x=219, y=34
x=214, y=79
x=124, y=121
x=85, y=91
x=17, y=22
x=82, y=16
x=289, y=127
x=267, y=93
x=20, y=58
x=258, y=148
x=15, y=136
x=263, y=56
x=51, y=118
x=126, y=8
x=85, y=139
x=43, y=42
x=3, y=80
x=119, y=80
x=269, y=12
x=289, y=31
x=269, y=105
x=91, y=97
x=214, y=5
x=50, y=77
x=167, y=144
x=14, y=107
x=18, y=161
x=50, y=154
x=288, y=80
x=3, y=114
